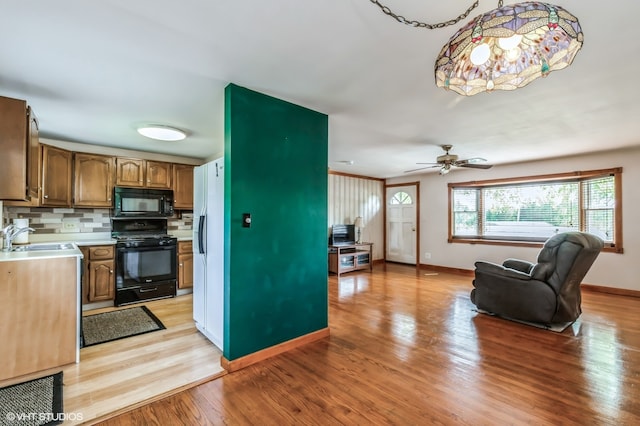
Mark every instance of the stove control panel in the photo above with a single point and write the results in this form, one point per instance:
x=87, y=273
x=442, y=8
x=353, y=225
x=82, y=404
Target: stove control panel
x=147, y=242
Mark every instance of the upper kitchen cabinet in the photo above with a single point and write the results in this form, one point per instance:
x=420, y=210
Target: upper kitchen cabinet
x=93, y=185
x=34, y=164
x=183, y=187
x=56, y=177
x=129, y=172
x=19, y=144
x=158, y=174
x=135, y=172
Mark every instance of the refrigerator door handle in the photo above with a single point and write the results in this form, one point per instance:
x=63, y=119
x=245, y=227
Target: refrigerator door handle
x=201, y=238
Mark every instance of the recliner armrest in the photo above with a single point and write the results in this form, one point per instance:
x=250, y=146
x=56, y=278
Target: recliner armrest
x=495, y=269
x=519, y=265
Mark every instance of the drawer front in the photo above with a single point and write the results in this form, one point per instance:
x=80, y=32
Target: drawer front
x=101, y=252
x=185, y=247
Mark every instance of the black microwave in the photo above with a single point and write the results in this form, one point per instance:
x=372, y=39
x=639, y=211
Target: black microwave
x=138, y=202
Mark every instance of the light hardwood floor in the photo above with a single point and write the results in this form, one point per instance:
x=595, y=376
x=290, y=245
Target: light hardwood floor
x=408, y=347
x=116, y=376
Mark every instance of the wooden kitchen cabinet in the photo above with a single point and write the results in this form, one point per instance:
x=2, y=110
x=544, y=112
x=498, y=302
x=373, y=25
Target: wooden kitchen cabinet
x=185, y=264
x=130, y=172
x=139, y=173
x=39, y=314
x=56, y=177
x=158, y=174
x=94, y=176
x=19, y=145
x=101, y=283
x=84, y=290
x=183, y=186
x=98, y=280
x=34, y=164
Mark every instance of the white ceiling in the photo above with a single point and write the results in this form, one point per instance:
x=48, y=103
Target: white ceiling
x=94, y=70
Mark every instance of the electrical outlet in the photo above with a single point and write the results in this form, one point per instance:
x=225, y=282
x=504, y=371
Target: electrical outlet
x=427, y=255
x=70, y=227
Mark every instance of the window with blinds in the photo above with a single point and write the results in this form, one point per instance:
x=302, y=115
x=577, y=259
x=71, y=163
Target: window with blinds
x=532, y=209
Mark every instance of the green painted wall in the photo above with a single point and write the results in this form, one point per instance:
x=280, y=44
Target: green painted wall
x=276, y=270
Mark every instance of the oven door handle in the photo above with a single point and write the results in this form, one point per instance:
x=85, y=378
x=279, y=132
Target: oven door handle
x=201, y=237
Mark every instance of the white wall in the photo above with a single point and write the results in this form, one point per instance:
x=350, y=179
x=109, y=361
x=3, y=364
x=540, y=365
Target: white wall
x=350, y=197
x=609, y=270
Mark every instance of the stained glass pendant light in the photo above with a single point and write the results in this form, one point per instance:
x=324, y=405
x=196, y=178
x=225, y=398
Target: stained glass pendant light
x=503, y=49
x=508, y=47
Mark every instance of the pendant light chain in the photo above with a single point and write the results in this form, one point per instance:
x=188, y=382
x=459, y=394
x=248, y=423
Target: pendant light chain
x=418, y=24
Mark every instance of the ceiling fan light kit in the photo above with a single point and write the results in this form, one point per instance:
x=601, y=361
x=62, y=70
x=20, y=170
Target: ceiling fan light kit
x=505, y=48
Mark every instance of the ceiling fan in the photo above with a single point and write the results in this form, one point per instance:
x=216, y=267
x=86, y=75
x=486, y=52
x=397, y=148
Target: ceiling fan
x=446, y=161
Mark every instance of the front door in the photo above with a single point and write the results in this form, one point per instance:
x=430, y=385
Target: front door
x=401, y=227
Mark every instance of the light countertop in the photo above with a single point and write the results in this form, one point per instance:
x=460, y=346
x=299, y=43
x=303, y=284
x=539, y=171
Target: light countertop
x=182, y=235
x=6, y=256
x=80, y=238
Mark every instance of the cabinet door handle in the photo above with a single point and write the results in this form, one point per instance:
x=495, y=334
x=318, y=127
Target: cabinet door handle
x=46, y=196
x=111, y=271
x=181, y=265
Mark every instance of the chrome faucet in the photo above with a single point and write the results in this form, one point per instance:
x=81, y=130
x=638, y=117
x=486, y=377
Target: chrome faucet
x=10, y=233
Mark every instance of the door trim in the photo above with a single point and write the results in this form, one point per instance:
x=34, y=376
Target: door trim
x=384, y=218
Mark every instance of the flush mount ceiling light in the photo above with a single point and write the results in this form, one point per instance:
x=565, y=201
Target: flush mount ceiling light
x=162, y=133
x=505, y=48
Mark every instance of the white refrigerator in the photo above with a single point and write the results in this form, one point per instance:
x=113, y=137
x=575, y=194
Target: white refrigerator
x=208, y=250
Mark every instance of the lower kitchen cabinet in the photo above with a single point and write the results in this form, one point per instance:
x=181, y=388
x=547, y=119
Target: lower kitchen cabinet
x=98, y=282
x=185, y=264
x=39, y=315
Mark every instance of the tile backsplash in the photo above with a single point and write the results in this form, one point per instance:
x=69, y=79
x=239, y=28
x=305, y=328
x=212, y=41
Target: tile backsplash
x=184, y=222
x=61, y=220
x=70, y=220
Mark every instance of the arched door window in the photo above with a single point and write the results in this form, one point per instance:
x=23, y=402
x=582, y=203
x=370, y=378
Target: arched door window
x=401, y=198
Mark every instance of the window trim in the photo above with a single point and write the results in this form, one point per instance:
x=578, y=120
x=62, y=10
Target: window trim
x=616, y=247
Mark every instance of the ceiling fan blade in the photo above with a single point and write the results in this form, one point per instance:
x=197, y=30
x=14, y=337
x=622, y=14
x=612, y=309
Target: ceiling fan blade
x=475, y=166
x=472, y=161
x=421, y=168
x=432, y=164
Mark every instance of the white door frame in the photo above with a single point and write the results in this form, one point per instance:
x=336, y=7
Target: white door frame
x=417, y=188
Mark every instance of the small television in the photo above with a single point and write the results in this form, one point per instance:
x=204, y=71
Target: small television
x=343, y=234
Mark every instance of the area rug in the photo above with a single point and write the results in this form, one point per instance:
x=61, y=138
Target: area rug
x=557, y=327
x=36, y=402
x=115, y=325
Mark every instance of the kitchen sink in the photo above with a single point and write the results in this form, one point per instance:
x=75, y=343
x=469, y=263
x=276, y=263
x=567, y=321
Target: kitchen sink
x=43, y=247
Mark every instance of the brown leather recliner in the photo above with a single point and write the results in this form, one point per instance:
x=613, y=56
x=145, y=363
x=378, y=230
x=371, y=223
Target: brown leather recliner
x=546, y=292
